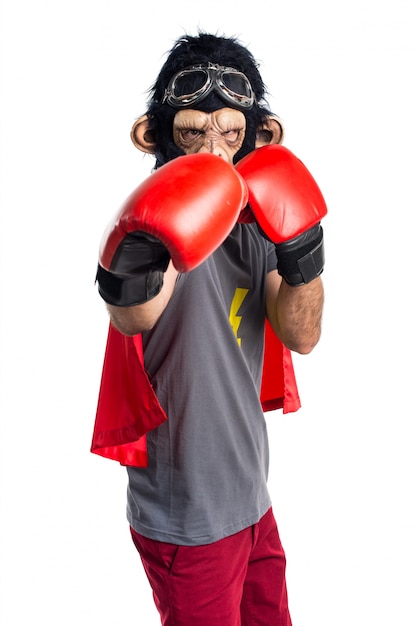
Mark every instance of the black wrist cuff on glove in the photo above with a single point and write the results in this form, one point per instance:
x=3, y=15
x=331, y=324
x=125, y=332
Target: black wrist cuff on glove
x=129, y=291
x=302, y=259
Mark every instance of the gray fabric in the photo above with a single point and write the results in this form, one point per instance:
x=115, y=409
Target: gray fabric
x=208, y=464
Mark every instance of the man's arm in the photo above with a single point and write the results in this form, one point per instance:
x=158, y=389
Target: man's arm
x=295, y=313
x=132, y=320
x=288, y=206
x=171, y=223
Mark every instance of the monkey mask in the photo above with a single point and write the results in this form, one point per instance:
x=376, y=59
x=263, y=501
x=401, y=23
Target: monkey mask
x=209, y=96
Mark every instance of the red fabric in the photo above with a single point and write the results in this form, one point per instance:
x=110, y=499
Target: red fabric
x=237, y=581
x=128, y=408
x=278, y=385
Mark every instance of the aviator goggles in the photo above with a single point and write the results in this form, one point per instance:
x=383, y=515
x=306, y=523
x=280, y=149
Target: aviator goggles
x=193, y=84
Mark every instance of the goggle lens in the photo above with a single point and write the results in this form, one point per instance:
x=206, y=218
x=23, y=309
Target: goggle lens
x=236, y=83
x=188, y=83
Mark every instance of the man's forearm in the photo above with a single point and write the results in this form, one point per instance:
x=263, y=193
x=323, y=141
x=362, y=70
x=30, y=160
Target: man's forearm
x=132, y=320
x=296, y=312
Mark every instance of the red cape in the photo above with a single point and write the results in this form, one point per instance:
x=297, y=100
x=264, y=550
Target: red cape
x=128, y=408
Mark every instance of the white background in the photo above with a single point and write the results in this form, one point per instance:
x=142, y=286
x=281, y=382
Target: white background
x=344, y=468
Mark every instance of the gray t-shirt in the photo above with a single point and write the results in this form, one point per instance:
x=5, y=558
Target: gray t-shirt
x=207, y=473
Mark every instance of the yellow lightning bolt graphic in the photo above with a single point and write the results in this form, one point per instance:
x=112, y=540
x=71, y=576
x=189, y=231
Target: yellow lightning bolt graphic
x=234, y=319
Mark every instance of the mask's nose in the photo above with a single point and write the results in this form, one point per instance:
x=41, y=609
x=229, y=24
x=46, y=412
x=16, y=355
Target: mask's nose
x=214, y=147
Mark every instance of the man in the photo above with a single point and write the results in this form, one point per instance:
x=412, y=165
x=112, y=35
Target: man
x=220, y=245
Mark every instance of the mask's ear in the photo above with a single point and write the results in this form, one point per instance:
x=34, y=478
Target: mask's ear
x=141, y=135
x=270, y=132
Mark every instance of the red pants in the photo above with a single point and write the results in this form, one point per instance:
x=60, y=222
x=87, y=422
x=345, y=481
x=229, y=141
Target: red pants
x=237, y=581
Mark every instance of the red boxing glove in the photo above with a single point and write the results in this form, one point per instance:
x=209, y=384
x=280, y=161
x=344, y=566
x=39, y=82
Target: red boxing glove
x=184, y=210
x=287, y=205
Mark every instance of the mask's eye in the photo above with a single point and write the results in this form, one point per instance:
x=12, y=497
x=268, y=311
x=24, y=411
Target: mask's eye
x=189, y=135
x=233, y=136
